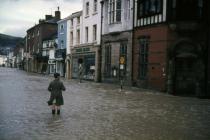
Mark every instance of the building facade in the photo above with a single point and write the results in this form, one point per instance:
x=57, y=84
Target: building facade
x=85, y=57
x=63, y=42
x=48, y=51
x=170, y=43
x=35, y=37
x=117, y=25
x=74, y=25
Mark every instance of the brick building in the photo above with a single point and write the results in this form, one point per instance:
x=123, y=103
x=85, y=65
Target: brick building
x=170, y=46
x=35, y=37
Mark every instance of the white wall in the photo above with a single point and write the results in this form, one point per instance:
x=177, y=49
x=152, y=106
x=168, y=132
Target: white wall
x=126, y=18
x=89, y=21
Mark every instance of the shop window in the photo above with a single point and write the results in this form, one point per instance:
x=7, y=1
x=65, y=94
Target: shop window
x=107, y=68
x=143, y=57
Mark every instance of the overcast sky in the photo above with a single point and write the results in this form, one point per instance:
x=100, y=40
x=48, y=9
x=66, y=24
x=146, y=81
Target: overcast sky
x=16, y=16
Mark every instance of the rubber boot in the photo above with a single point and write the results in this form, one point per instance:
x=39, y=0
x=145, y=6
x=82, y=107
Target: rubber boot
x=58, y=111
x=53, y=111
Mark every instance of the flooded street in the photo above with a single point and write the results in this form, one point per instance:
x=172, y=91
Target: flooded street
x=95, y=111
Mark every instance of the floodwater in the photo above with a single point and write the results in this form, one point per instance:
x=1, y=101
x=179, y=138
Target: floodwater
x=95, y=111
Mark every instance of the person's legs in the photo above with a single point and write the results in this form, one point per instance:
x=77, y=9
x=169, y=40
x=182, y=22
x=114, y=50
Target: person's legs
x=58, y=109
x=53, y=109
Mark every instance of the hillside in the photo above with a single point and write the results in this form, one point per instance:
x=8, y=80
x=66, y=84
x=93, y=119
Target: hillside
x=8, y=41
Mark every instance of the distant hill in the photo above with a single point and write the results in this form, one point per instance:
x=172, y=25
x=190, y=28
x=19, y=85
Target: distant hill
x=8, y=41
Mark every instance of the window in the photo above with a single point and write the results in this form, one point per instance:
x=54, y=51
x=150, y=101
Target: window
x=38, y=33
x=143, y=57
x=78, y=36
x=71, y=38
x=86, y=33
x=114, y=11
x=107, y=68
x=87, y=8
x=129, y=9
x=118, y=11
x=62, y=26
x=193, y=10
x=78, y=20
x=149, y=7
x=72, y=22
x=95, y=6
x=200, y=8
x=94, y=32
x=62, y=44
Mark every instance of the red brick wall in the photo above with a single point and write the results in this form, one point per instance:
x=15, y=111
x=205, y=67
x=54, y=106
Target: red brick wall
x=156, y=77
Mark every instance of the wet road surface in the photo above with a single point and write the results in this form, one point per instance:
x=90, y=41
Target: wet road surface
x=94, y=111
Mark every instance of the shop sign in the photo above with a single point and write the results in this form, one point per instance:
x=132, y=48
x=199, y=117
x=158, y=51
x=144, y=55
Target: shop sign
x=51, y=61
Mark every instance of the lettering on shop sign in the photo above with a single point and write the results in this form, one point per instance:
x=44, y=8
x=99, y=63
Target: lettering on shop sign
x=80, y=50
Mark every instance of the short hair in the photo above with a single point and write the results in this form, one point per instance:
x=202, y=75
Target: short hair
x=56, y=75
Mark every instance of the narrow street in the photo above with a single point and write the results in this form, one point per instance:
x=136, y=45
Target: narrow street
x=96, y=111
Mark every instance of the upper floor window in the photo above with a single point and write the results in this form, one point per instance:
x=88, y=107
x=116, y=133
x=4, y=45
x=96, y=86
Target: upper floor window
x=87, y=8
x=72, y=22
x=78, y=36
x=115, y=7
x=62, y=44
x=129, y=9
x=95, y=6
x=71, y=38
x=94, y=32
x=78, y=20
x=86, y=34
x=187, y=9
x=38, y=33
x=61, y=27
x=149, y=7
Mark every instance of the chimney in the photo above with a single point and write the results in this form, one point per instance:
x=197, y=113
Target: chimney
x=48, y=17
x=57, y=14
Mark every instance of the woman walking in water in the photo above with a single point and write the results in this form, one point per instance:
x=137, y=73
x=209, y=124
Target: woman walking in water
x=56, y=99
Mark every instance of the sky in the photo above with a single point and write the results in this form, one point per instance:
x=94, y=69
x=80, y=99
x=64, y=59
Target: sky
x=16, y=16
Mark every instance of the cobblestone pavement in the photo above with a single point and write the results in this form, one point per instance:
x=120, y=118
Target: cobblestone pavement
x=94, y=111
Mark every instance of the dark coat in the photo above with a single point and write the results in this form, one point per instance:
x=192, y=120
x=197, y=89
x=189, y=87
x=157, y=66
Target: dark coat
x=56, y=87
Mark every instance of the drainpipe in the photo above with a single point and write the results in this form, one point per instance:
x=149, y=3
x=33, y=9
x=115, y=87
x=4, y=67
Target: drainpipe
x=207, y=52
x=133, y=44
x=100, y=49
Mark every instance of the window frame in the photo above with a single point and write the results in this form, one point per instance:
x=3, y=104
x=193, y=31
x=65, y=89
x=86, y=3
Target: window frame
x=95, y=32
x=144, y=8
x=95, y=6
x=108, y=60
x=143, y=58
x=86, y=34
x=87, y=9
x=114, y=11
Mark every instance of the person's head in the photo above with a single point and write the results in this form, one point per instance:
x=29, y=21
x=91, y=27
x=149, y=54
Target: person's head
x=56, y=75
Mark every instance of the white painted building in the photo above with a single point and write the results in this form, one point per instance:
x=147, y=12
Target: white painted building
x=3, y=59
x=87, y=53
x=74, y=25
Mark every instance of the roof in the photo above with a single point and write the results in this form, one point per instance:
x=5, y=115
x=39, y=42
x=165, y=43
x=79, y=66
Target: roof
x=44, y=22
x=73, y=15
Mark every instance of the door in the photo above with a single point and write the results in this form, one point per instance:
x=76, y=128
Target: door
x=185, y=76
